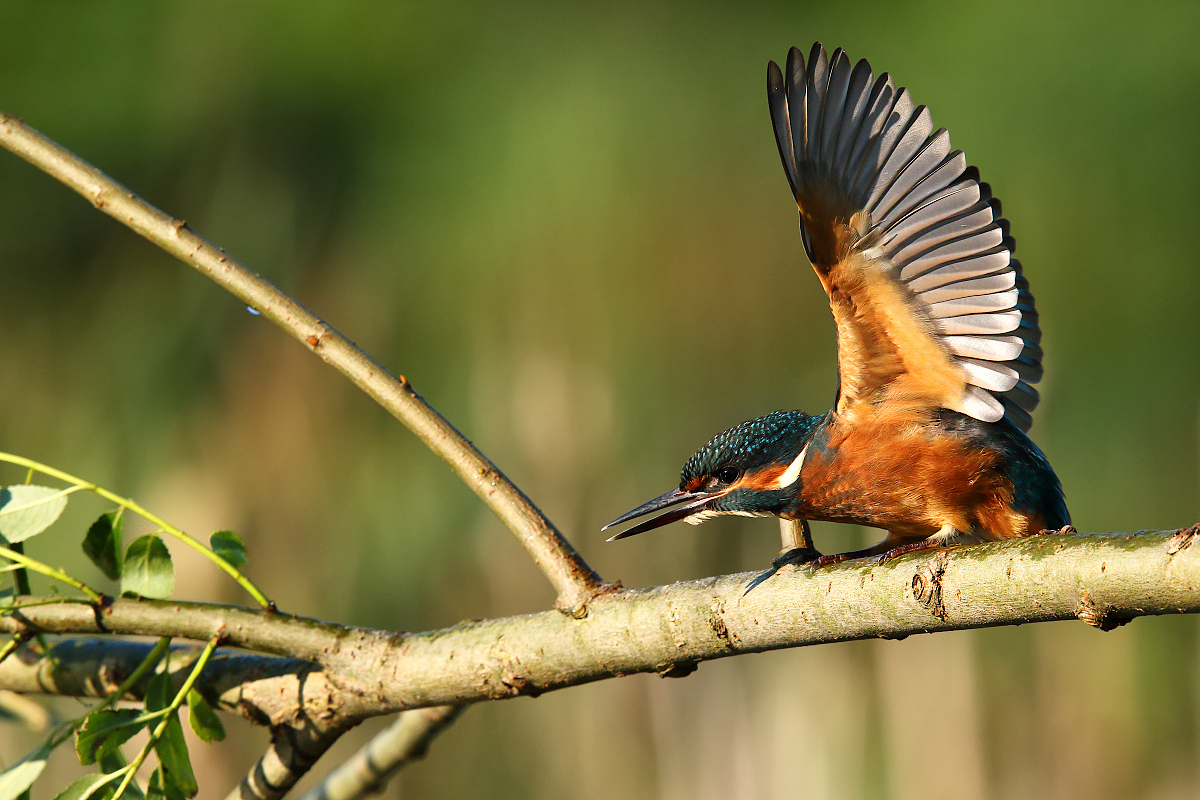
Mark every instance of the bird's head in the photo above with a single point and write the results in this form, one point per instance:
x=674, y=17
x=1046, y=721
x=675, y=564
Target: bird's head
x=750, y=470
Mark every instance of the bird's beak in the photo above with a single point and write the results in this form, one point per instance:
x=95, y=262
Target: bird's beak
x=675, y=505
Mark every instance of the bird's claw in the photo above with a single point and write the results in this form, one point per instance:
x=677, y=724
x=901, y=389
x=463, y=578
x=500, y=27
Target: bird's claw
x=797, y=556
x=829, y=560
x=1065, y=529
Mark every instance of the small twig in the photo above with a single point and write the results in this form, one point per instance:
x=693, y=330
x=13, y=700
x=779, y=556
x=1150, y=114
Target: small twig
x=20, y=574
x=49, y=572
x=168, y=713
x=148, y=663
x=406, y=740
x=12, y=644
x=163, y=525
x=571, y=577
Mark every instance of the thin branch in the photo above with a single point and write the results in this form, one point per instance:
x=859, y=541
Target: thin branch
x=1104, y=580
x=571, y=577
x=292, y=752
x=405, y=741
x=48, y=571
x=266, y=690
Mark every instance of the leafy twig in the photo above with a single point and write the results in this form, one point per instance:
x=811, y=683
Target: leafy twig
x=170, y=710
x=12, y=644
x=166, y=527
x=50, y=572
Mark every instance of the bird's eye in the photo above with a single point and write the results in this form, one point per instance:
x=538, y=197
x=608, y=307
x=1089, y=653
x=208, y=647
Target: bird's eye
x=728, y=474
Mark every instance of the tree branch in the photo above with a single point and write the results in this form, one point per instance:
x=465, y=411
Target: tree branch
x=293, y=698
x=406, y=740
x=1104, y=580
x=571, y=577
x=263, y=689
x=293, y=751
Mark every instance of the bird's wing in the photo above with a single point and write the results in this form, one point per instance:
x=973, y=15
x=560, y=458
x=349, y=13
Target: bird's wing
x=931, y=307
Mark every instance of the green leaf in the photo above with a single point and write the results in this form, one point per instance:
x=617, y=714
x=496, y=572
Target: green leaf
x=111, y=762
x=28, y=510
x=95, y=785
x=103, y=544
x=15, y=780
x=148, y=571
x=229, y=546
x=103, y=732
x=173, y=756
x=155, y=790
x=158, y=692
x=204, y=721
x=178, y=779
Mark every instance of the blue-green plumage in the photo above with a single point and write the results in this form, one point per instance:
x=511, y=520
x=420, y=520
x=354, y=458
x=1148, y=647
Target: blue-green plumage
x=774, y=438
x=1035, y=487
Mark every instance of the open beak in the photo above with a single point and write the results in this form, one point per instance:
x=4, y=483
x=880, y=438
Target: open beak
x=674, y=505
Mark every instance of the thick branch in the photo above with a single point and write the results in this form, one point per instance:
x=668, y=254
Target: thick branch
x=573, y=579
x=1103, y=580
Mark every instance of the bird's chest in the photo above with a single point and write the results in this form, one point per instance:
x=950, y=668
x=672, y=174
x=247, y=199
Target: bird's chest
x=911, y=479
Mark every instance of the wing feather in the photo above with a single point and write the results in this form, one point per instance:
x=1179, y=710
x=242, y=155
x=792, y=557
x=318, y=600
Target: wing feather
x=835, y=103
x=931, y=155
x=857, y=95
x=931, y=307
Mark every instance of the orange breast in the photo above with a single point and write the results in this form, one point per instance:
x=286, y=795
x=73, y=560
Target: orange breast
x=901, y=473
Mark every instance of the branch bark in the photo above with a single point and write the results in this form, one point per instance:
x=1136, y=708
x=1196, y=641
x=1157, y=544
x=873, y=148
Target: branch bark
x=1102, y=579
x=265, y=690
x=573, y=580
x=406, y=740
x=293, y=698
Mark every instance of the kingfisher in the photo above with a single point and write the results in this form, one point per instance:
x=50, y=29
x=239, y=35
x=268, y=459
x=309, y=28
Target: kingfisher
x=937, y=338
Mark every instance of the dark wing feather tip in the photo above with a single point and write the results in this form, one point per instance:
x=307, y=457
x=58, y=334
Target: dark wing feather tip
x=929, y=219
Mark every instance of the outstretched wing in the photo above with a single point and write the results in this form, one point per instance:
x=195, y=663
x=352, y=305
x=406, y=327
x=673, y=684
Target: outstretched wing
x=931, y=307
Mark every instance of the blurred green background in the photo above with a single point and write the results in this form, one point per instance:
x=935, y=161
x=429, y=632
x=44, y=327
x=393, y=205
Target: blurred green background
x=568, y=226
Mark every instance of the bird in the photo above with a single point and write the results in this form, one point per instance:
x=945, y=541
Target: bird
x=938, y=341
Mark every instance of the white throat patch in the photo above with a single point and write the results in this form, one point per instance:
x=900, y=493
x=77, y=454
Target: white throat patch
x=792, y=473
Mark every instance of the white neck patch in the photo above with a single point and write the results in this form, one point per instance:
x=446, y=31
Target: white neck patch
x=792, y=473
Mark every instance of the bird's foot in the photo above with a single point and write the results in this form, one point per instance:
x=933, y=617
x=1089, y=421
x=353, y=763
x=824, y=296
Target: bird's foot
x=837, y=558
x=931, y=543
x=1054, y=531
x=874, y=557
x=796, y=556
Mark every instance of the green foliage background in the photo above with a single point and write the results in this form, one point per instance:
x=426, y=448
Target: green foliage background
x=568, y=227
